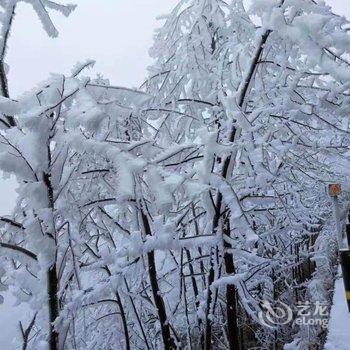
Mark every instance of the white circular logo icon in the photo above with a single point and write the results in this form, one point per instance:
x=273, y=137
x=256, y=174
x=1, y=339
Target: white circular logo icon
x=272, y=316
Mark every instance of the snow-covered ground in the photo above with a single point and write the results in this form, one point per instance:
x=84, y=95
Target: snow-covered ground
x=339, y=325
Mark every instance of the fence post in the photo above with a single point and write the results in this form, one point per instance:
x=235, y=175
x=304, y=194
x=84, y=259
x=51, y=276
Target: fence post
x=344, y=252
x=345, y=266
x=334, y=191
x=347, y=229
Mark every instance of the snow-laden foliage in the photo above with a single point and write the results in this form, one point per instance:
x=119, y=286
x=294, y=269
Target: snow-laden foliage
x=170, y=216
x=7, y=14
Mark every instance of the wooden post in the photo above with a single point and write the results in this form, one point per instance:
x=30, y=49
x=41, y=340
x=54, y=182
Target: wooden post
x=344, y=254
x=348, y=234
x=345, y=266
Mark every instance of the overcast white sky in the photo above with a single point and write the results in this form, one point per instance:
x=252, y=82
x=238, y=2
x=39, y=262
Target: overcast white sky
x=116, y=33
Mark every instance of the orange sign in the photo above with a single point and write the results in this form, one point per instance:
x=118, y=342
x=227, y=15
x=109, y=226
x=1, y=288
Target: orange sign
x=334, y=190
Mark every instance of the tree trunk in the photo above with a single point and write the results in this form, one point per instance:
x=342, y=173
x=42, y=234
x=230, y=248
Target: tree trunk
x=226, y=171
x=124, y=321
x=137, y=315
x=231, y=294
x=52, y=282
x=168, y=341
x=4, y=91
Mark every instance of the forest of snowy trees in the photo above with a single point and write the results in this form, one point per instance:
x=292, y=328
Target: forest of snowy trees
x=171, y=216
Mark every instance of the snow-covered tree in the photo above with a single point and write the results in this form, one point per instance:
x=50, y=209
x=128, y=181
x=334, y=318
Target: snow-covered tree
x=172, y=216
x=8, y=8
x=271, y=107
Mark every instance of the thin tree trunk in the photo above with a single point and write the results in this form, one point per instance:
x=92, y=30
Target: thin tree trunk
x=10, y=120
x=168, y=341
x=124, y=321
x=196, y=227
x=137, y=316
x=224, y=173
x=26, y=332
x=231, y=294
x=211, y=275
x=52, y=279
x=193, y=278
x=52, y=282
x=208, y=324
